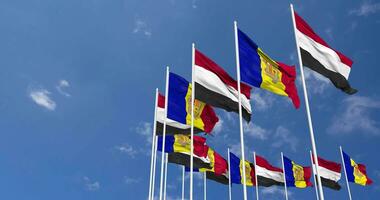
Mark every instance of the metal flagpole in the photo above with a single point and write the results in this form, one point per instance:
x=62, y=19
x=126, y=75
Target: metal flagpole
x=240, y=109
x=257, y=183
x=283, y=169
x=164, y=132
x=229, y=175
x=183, y=182
x=204, y=186
x=154, y=166
x=166, y=174
x=307, y=106
x=192, y=121
x=345, y=172
x=315, y=181
x=153, y=146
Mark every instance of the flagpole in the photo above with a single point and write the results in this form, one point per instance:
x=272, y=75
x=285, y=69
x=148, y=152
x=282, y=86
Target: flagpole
x=166, y=174
x=283, y=169
x=154, y=166
x=229, y=175
x=153, y=146
x=307, y=107
x=164, y=132
x=204, y=186
x=183, y=183
x=192, y=121
x=345, y=172
x=315, y=181
x=240, y=109
x=257, y=183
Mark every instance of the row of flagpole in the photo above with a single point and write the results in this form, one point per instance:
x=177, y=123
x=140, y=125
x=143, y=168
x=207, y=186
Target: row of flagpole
x=313, y=153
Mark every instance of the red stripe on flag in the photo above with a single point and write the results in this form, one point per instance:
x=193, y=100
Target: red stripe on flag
x=362, y=169
x=304, y=28
x=288, y=79
x=200, y=148
x=209, y=118
x=333, y=166
x=307, y=175
x=220, y=165
x=260, y=161
x=203, y=61
x=161, y=100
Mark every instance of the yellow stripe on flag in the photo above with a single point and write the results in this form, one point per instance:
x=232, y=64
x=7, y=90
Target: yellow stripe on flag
x=360, y=178
x=248, y=178
x=198, y=109
x=181, y=143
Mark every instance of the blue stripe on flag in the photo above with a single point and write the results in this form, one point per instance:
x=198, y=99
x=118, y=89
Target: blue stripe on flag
x=178, y=88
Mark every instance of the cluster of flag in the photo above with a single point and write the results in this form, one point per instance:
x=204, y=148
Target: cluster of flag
x=190, y=109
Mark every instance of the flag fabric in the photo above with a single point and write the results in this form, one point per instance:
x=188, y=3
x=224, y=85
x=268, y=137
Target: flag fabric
x=267, y=174
x=296, y=175
x=215, y=87
x=179, y=106
x=329, y=172
x=356, y=173
x=320, y=57
x=259, y=70
x=178, y=149
x=236, y=171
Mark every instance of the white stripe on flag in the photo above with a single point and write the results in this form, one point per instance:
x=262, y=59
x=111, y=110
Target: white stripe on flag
x=277, y=176
x=169, y=122
x=328, y=174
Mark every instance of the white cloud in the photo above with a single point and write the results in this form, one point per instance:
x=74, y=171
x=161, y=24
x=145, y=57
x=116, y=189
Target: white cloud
x=62, y=84
x=91, y=185
x=129, y=180
x=356, y=116
x=41, y=97
x=329, y=33
x=255, y=131
x=145, y=129
x=262, y=100
x=366, y=8
x=283, y=137
x=315, y=82
x=142, y=27
x=218, y=127
x=194, y=4
x=127, y=149
x=279, y=191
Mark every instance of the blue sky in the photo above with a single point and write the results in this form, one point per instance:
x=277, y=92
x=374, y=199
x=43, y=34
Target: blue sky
x=77, y=88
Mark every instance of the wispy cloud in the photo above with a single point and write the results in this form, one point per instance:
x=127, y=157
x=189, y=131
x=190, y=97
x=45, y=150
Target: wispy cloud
x=316, y=83
x=194, y=4
x=366, y=8
x=283, y=137
x=41, y=97
x=329, y=32
x=256, y=131
x=127, y=149
x=355, y=115
x=130, y=180
x=279, y=191
x=91, y=185
x=62, y=85
x=262, y=100
x=142, y=28
x=218, y=127
x=145, y=130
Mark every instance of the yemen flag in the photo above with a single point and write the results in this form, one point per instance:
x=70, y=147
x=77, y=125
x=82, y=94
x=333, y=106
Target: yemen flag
x=329, y=172
x=215, y=87
x=259, y=70
x=356, y=173
x=267, y=174
x=179, y=106
x=320, y=57
x=178, y=149
x=236, y=168
x=207, y=120
x=296, y=175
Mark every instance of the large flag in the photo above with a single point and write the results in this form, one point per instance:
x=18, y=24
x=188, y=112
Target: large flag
x=320, y=57
x=296, y=175
x=259, y=70
x=206, y=120
x=178, y=149
x=215, y=87
x=329, y=172
x=236, y=171
x=267, y=174
x=179, y=106
x=356, y=173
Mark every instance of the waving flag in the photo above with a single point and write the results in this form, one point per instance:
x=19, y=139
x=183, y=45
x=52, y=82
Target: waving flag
x=356, y=173
x=179, y=106
x=214, y=86
x=267, y=174
x=178, y=148
x=237, y=171
x=296, y=175
x=329, y=172
x=320, y=57
x=208, y=118
x=259, y=70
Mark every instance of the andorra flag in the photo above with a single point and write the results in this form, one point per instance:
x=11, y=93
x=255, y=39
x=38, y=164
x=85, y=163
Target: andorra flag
x=296, y=175
x=355, y=173
x=236, y=171
x=319, y=56
x=178, y=149
x=259, y=70
x=179, y=106
x=208, y=118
